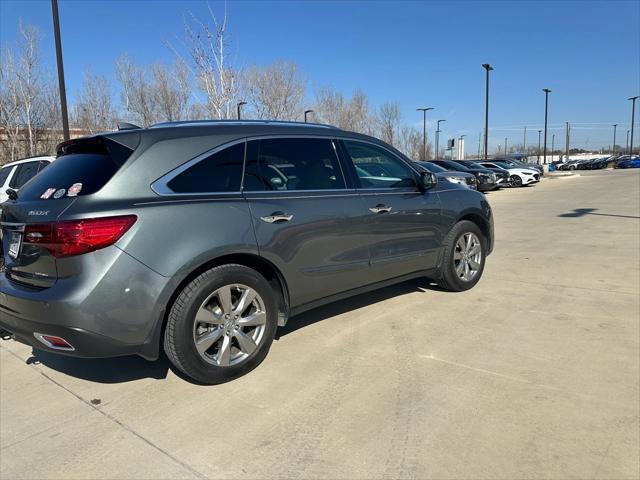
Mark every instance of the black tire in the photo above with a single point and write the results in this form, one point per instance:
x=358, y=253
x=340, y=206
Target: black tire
x=179, y=336
x=449, y=280
x=515, y=181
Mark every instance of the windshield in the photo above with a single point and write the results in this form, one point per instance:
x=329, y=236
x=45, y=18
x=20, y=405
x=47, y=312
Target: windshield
x=453, y=165
x=432, y=167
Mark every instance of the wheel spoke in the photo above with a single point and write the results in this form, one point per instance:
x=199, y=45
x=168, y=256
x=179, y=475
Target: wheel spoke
x=475, y=249
x=205, y=315
x=466, y=271
x=475, y=265
x=467, y=246
x=224, y=297
x=204, y=342
x=461, y=244
x=224, y=352
x=460, y=268
x=457, y=255
x=247, y=345
x=245, y=300
x=253, y=320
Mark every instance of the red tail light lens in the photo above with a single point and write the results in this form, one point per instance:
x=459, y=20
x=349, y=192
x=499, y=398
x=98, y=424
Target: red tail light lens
x=75, y=237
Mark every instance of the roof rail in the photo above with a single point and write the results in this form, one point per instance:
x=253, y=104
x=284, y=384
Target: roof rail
x=192, y=123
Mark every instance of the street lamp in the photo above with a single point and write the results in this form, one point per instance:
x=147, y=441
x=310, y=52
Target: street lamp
x=546, y=105
x=438, y=137
x=63, y=93
x=613, y=149
x=633, y=117
x=307, y=112
x=539, y=132
x=424, y=130
x=488, y=68
x=238, y=107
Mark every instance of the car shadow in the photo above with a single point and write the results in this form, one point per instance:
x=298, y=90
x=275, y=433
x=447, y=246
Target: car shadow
x=581, y=212
x=131, y=368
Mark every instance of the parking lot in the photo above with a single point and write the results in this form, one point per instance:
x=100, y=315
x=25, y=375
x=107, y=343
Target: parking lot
x=532, y=374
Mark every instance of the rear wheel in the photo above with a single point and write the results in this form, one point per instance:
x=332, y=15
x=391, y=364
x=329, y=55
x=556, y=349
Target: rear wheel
x=464, y=257
x=221, y=325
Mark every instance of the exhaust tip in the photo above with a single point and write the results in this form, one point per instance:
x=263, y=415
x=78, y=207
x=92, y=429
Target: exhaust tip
x=56, y=343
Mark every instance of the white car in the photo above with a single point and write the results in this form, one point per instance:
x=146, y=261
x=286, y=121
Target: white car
x=15, y=174
x=517, y=176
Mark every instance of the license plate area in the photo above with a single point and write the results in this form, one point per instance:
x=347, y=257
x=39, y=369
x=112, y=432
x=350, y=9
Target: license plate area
x=15, y=244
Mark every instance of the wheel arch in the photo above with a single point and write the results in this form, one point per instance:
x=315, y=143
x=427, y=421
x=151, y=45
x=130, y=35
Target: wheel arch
x=480, y=221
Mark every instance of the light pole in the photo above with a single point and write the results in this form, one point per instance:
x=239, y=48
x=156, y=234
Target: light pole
x=566, y=140
x=424, y=130
x=438, y=138
x=479, y=142
x=627, y=144
x=546, y=105
x=633, y=117
x=613, y=149
x=461, y=147
x=63, y=93
x=488, y=68
x=505, y=147
x=238, y=107
x=307, y=112
x=539, y=133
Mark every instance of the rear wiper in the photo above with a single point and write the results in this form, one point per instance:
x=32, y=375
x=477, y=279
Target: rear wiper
x=12, y=194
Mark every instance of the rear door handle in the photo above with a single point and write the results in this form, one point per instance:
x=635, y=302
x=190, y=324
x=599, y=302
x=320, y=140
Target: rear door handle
x=380, y=208
x=277, y=217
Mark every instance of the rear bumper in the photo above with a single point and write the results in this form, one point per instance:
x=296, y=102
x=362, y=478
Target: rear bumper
x=112, y=306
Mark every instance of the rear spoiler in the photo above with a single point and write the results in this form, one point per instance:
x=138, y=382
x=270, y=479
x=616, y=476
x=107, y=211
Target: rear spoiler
x=118, y=145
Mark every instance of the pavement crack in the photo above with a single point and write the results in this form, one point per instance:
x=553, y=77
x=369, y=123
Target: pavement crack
x=115, y=420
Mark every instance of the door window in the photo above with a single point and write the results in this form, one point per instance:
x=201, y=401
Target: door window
x=292, y=164
x=4, y=174
x=378, y=168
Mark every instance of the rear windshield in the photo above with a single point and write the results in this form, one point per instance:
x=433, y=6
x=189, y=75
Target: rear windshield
x=83, y=167
x=75, y=174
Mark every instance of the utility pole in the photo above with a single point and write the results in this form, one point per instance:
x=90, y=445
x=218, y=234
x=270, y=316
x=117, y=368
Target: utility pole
x=424, y=130
x=613, y=149
x=633, y=117
x=479, y=142
x=488, y=68
x=61, y=87
x=546, y=105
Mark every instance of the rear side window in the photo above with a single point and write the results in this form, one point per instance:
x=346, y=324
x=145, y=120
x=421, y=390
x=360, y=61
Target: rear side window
x=220, y=172
x=24, y=173
x=292, y=164
x=4, y=174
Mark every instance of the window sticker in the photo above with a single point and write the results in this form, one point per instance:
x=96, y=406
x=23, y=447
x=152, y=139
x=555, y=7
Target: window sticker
x=74, y=190
x=47, y=193
x=59, y=193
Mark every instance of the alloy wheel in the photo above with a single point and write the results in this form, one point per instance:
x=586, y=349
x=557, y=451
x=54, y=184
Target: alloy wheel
x=467, y=256
x=229, y=325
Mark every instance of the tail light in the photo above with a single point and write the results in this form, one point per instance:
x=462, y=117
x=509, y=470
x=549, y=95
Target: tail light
x=76, y=237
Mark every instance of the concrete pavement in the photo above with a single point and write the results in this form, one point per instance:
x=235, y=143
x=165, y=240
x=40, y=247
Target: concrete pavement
x=532, y=374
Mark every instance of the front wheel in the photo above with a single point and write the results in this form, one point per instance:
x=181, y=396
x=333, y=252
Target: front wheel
x=515, y=181
x=221, y=325
x=463, y=258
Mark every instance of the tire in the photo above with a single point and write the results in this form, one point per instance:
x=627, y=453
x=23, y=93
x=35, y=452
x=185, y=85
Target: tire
x=239, y=347
x=515, y=181
x=449, y=276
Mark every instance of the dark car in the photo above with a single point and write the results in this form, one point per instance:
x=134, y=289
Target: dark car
x=203, y=237
x=502, y=175
x=486, y=178
x=461, y=178
x=629, y=162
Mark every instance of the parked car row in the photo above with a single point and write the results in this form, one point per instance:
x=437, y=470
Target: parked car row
x=622, y=161
x=488, y=175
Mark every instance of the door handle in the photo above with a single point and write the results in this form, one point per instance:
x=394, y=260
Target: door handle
x=277, y=217
x=380, y=208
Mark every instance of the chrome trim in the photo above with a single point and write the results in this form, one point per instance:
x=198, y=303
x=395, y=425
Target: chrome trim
x=40, y=336
x=277, y=217
x=200, y=123
x=380, y=209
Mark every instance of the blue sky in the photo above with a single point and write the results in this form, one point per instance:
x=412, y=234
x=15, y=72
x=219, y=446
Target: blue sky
x=417, y=53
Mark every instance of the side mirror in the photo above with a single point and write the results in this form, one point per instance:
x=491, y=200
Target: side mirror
x=428, y=180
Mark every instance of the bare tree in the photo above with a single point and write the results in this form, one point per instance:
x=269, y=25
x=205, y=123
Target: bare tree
x=389, y=120
x=350, y=114
x=93, y=110
x=136, y=92
x=275, y=91
x=28, y=110
x=210, y=64
x=171, y=90
x=410, y=143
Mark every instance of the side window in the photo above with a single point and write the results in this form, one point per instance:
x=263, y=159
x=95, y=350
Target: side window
x=378, y=168
x=4, y=174
x=24, y=173
x=220, y=172
x=292, y=164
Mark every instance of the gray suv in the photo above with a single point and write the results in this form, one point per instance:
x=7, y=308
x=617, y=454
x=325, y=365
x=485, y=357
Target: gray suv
x=201, y=238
